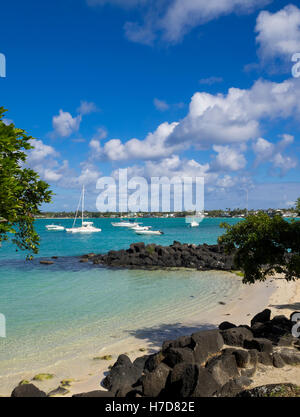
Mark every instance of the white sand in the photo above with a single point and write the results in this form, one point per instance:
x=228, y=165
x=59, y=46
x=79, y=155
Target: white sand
x=278, y=295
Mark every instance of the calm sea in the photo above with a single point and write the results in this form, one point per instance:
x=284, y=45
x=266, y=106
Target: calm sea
x=54, y=313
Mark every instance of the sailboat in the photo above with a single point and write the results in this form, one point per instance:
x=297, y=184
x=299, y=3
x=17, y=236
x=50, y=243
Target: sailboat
x=86, y=227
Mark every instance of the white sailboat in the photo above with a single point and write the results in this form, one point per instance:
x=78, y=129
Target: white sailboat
x=86, y=227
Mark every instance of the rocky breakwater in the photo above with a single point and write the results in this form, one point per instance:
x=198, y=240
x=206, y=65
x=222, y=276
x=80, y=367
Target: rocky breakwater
x=202, y=257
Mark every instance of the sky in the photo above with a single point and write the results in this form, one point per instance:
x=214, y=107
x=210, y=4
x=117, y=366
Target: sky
x=171, y=88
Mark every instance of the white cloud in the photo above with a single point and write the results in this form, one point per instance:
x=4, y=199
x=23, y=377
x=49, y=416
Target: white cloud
x=152, y=147
x=40, y=152
x=172, y=19
x=269, y=152
x=64, y=124
x=161, y=105
x=228, y=159
x=44, y=160
x=87, y=107
x=278, y=33
x=238, y=116
x=182, y=16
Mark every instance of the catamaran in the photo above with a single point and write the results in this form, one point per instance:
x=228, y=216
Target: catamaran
x=86, y=227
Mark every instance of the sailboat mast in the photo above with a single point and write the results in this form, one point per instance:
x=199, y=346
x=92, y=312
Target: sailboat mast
x=82, y=205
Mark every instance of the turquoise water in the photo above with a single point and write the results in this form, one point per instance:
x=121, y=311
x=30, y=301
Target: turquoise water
x=54, y=313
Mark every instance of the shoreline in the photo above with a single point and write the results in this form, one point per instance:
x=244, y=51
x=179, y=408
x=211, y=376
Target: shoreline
x=280, y=296
x=277, y=294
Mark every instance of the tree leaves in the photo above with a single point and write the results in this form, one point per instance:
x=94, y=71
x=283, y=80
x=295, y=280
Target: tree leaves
x=21, y=190
x=265, y=246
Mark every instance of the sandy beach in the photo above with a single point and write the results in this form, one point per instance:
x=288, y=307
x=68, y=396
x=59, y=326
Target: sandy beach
x=277, y=294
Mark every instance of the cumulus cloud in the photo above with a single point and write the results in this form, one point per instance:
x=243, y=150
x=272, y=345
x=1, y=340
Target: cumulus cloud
x=64, y=124
x=278, y=34
x=237, y=116
x=274, y=153
x=87, y=107
x=44, y=159
x=172, y=19
x=228, y=159
x=152, y=147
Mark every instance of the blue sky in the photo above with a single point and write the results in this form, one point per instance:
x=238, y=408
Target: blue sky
x=161, y=87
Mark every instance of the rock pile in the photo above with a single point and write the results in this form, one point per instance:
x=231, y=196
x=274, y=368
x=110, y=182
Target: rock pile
x=202, y=257
x=211, y=363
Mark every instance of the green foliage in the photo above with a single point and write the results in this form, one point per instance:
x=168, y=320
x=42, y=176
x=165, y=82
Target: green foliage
x=21, y=190
x=298, y=206
x=264, y=246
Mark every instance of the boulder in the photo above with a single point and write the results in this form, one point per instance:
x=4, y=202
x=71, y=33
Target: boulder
x=140, y=362
x=234, y=386
x=93, y=394
x=173, y=356
x=277, y=360
x=123, y=373
x=226, y=325
x=236, y=336
x=153, y=361
x=27, y=390
x=260, y=344
x=182, y=380
x=265, y=358
x=290, y=356
x=223, y=368
x=206, y=343
x=154, y=382
x=242, y=358
x=261, y=317
x=206, y=385
x=181, y=342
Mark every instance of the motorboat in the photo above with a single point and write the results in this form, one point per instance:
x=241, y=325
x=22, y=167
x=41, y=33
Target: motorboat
x=86, y=227
x=148, y=232
x=125, y=224
x=141, y=228
x=55, y=227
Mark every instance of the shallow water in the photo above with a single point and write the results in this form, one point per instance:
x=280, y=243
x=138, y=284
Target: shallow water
x=62, y=311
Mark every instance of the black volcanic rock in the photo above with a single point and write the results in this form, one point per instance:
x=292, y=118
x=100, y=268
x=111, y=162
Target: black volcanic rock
x=201, y=257
x=28, y=390
x=261, y=317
